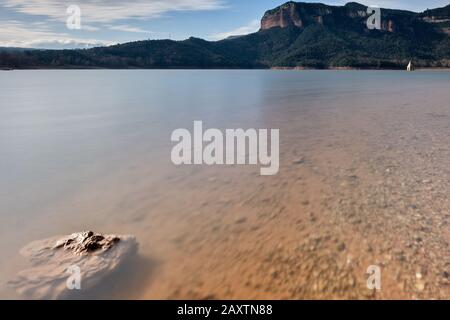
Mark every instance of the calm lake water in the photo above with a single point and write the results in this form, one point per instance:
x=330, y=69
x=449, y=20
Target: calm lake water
x=82, y=150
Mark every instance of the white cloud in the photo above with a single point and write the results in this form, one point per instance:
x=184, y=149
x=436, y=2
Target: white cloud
x=63, y=43
x=127, y=28
x=89, y=28
x=109, y=10
x=38, y=35
x=251, y=27
x=95, y=14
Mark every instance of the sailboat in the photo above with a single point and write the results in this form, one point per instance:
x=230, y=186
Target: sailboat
x=410, y=66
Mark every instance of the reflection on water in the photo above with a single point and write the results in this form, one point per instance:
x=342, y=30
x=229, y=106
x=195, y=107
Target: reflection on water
x=363, y=176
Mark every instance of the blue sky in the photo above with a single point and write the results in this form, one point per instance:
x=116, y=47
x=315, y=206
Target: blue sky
x=42, y=23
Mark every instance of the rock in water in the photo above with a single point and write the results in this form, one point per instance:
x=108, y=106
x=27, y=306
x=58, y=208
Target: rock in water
x=96, y=256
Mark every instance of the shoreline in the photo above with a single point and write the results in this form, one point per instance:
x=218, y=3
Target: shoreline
x=356, y=69
x=443, y=69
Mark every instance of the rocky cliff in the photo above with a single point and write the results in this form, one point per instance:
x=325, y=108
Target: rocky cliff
x=353, y=15
x=440, y=18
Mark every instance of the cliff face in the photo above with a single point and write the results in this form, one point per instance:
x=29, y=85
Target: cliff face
x=284, y=16
x=440, y=18
x=353, y=15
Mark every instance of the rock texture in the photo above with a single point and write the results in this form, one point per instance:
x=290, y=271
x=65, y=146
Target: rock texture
x=96, y=256
x=287, y=15
x=300, y=14
x=440, y=18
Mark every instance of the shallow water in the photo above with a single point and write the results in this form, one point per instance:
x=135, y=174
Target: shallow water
x=364, y=175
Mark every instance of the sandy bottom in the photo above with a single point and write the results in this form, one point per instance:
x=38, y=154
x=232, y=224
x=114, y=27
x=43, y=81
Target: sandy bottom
x=358, y=186
x=370, y=188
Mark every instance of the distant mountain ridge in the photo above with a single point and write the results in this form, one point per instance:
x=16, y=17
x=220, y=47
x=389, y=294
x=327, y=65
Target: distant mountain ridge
x=352, y=14
x=293, y=35
x=303, y=14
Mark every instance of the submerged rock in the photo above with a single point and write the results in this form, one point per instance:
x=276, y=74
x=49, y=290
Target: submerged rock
x=55, y=263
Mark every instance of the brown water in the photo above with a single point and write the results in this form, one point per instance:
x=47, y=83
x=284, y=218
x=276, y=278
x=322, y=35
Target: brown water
x=364, y=180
